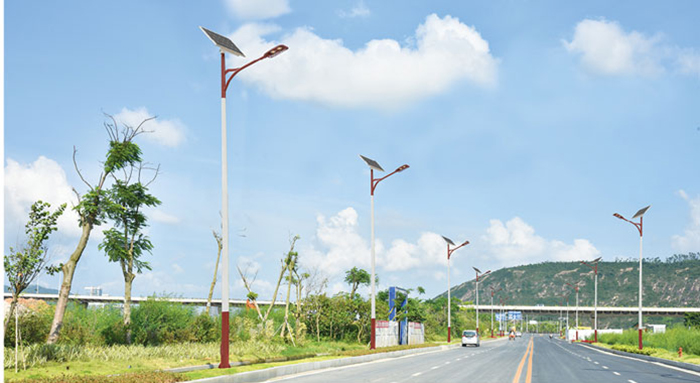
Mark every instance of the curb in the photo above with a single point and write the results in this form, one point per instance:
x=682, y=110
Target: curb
x=683, y=365
x=274, y=372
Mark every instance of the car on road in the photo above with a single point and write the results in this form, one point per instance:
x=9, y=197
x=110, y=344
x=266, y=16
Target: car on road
x=470, y=337
x=518, y=334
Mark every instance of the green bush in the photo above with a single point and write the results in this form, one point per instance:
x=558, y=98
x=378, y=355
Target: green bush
x=34, y=327
x=155, y=322
x=146, y=377
x=671, y=340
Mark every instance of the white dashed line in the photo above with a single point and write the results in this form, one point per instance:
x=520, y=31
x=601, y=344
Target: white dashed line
x=631, y=381
x=447, y=362
x=433, y=368
x=417, y=373
x=596, y=362
x=616, y=373
x=605, y=367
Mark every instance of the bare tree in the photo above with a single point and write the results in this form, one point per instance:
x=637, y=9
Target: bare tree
x=219, y=246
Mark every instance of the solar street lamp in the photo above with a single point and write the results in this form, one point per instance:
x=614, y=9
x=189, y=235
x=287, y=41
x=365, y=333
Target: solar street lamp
x=639, y=226
x=225, y=45
x=449, y=297
x=373, y=165
x=477, y=295
x=594, y=265
x=492, y=292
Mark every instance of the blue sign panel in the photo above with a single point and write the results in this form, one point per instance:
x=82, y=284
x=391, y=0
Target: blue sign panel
x=515, y=315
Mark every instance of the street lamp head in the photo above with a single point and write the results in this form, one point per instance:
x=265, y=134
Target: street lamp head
x=465, y=243
x=372, y=163
x=223, y=42
x=597, y=260
x=275, y=51
x=641, y=212
x=616, y=215
x=477, y=270
x=401, y=168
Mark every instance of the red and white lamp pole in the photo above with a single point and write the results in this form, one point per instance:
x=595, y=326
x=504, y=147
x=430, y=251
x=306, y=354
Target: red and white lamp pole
x=594, y=265
x=492, y=292
x=639, y=226
x=373, y=165
x=225, y=45
x=449, y=296
x=477, y=296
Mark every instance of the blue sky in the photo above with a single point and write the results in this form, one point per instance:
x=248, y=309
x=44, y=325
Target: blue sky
x=526, y=126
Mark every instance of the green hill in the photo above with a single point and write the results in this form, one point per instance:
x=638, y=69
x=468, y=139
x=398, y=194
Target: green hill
x=673, y=283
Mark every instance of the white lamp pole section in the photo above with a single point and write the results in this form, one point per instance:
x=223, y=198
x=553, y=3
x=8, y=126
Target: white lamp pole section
x=225, y=45
x=477, y=296
x=449, y=296
x=373, y=165
x=639, y=226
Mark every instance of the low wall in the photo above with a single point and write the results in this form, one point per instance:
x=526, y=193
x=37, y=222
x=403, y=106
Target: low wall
x=387, y=333
x=589, y=334
x=416, y=333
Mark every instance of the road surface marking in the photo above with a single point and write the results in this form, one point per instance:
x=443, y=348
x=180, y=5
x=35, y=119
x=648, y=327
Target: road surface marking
x=605, y=367
x=434, y=367
x=447, y=362
x=631, y=381
x=616, y=373
x=596, y=362
x=528, y=352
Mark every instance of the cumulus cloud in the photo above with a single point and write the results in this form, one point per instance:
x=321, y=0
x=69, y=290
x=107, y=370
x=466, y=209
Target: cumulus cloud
x=515, y=242
x=383, y=74
x=257, y=9
x=690, y=240
x=43, y=179
x=605, y=48
x=170, y=133
x=359, y=10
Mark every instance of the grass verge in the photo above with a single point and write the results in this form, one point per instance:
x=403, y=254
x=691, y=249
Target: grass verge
x=655, y=352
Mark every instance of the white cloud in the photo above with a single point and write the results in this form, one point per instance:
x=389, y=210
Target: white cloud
x=689, y=62
x=690, y=240
x=359, y=10
x=158, y=215
x=257, y=9
x=605, y=48
x=170, y=133
x=383, y=74
x=177, y=269
x=515, y=243
x=43, y=179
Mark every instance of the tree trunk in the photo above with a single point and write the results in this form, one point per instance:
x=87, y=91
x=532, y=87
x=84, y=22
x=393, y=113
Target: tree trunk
x=318, y=327
x=68, y=271
x=286, y=307
x=128, y=280
x=13, y=305
x=216, y=270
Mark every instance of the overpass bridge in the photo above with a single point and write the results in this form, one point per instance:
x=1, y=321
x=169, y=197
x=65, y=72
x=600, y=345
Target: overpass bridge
x=588, y=310
x=97, y=299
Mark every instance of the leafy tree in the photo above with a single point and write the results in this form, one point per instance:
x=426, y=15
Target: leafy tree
x=692, y=319
x=25, y=263
x=126, y=243
x=356, y=277
x=122, y=152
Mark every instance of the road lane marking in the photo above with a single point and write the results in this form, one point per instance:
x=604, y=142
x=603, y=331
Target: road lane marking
x=596, y=362
x=528, y=378
x=616, y=373
x=631, y=381
x=516, y=378
x=434, y=367
x=417, y=374
x=605, y=367
x=643, y=361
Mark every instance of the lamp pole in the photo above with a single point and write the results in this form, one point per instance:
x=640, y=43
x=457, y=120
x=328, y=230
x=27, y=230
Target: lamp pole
x=449, y=296
x=575, y=287
x=492, y=292
x=594, y=265
x=477, y=296
x=225, y=45
x=373, y=165
x=639, y=226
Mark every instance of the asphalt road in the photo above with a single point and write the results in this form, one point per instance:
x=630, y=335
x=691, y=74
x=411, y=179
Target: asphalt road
x=532, y=358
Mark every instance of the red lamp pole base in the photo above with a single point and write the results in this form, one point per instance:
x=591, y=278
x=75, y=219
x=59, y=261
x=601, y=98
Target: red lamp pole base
x=449, y=334
x=640, y=339
x=224, y=340
x=373, y=336
x=596, y=335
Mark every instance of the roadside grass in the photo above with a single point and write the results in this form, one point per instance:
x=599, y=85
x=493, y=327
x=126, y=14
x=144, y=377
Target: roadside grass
x=671, y=340
x=105, y=364
x=655, y=352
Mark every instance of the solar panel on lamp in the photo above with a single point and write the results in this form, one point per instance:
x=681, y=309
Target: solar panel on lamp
x=224, y=43
x=372, y=163
x=641, y=212
x=448, y=240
